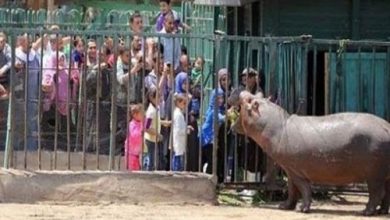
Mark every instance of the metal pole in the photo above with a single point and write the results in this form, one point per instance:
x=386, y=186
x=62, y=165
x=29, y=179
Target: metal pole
x=68, y=109
x=10, y=117
x=113, y=113
x=98, y=94
x=39, y=103
x=314, y=100
x=26, y=100
x=225, y=156
x=56, y=107
x=217, y=41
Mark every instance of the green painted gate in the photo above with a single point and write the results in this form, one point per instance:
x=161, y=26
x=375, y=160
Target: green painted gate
x=359, y=82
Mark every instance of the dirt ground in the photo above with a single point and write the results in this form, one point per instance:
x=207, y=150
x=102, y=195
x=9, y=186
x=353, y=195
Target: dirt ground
x=345, y=207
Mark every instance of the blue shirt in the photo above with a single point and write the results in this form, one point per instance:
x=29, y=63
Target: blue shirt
x=207, y=135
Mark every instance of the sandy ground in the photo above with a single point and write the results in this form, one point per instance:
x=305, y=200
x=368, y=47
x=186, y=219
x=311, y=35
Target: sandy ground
x=346, y=207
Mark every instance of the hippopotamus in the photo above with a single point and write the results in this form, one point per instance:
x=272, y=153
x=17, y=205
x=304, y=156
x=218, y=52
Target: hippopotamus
x=336, y=149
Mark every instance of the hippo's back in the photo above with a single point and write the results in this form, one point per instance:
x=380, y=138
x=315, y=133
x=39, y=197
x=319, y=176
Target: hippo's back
x=337, y=129
x=338, y=148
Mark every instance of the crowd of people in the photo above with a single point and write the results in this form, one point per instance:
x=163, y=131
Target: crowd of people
x=153, y=86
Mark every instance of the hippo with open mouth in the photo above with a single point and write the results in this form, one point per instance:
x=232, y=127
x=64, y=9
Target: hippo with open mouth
x=337, y=149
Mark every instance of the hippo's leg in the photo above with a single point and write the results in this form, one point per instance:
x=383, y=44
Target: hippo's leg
x=293, y=196
x=376, y=190
x=305, y=189
x=384, y=210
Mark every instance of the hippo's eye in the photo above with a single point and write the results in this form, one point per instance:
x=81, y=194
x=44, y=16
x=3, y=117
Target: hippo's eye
x=255, y=105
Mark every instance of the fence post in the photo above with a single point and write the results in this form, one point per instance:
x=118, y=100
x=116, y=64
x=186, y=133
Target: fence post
x=10, y=114
x=216, y=59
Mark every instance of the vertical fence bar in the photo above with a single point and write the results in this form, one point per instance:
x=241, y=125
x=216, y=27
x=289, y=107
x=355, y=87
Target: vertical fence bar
x=82, y=106
x=143, y=102
x=360, y=81
x=129, y=84
x=292, y=71
x=125, y=124
x=258, y=87
x=257, y=149
x=200, y=162
x=228, y=79
x=40, y=76
x=373, y=78
x=84, y=111
x=68, y=112
x=173, y=90
x=26, y=100
x=160, y=92
x=56, y=102
x=314, y=100
x=328, y=83
x=113, y=122
x=304, y=84
x=11, y=107
x=156, y=146
x=246, y=64
x=98, y=95
x=387, y=73
x=186, y=114
x=80, y=113
x=236, y=81
x=217, y=41
x=343, y=83
x=10, y=115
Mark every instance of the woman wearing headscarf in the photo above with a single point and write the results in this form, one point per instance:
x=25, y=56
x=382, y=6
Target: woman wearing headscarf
x=207, y=136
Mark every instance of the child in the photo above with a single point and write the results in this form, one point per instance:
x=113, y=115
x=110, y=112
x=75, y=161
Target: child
x=207, y=135
x=165, y=8
x=133, y=143
x=196, y=73
x=179, y=132
x=153, y=125
x=78, y=52
x=196, y=81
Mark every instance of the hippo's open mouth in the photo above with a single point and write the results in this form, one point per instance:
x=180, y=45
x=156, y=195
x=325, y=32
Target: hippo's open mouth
x=233, y=115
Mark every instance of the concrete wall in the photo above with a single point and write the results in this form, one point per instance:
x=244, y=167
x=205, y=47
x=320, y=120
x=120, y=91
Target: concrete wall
x=96, y=186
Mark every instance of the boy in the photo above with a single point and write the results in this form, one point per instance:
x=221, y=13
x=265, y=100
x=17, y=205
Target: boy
x=165, y=8
x=180, y=130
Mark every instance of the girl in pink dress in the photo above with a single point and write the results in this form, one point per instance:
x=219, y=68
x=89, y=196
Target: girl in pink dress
x=133, y=143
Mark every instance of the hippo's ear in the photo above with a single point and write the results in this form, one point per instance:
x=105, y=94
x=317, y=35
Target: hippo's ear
x=255, y=104
x=255, y=107
x=246, y=97
x=259, y=95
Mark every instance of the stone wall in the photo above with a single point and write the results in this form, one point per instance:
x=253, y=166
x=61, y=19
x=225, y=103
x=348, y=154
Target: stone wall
x=100, y=186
